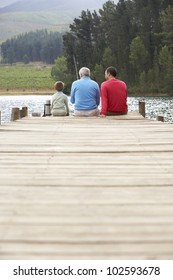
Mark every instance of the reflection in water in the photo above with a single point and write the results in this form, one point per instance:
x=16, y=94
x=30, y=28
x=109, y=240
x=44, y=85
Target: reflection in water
x=155, y=106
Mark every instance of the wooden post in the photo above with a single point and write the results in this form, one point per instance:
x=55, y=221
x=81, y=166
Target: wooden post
x=160, y=118
x=15, y=114
x=142, y=108
x=24, y=112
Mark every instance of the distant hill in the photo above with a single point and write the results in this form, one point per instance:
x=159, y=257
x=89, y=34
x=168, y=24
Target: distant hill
x=27, y=15
x=50, y=5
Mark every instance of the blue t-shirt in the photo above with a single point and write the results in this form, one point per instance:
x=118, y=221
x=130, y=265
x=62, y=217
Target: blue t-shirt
x=85, y=94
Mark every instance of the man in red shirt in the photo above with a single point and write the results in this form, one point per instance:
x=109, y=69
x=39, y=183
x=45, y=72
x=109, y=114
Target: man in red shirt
x=113, y=94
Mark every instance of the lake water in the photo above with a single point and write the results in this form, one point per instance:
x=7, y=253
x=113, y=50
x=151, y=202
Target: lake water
x=155, y=106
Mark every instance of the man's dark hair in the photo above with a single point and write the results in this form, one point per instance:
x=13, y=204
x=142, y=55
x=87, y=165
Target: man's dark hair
x=112, y=70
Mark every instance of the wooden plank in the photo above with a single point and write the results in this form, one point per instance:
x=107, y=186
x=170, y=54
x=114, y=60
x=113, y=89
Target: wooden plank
x=76, y=188
x=43, y=250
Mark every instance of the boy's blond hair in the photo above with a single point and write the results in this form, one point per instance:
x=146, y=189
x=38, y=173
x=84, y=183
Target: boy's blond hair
x=59, y=86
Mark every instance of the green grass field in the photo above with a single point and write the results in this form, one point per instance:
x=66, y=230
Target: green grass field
x=25, y=79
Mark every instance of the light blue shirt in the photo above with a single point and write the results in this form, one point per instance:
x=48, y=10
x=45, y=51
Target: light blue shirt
x=85, y=94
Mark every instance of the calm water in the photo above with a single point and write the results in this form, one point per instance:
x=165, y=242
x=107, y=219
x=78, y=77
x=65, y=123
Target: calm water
x=162, y=106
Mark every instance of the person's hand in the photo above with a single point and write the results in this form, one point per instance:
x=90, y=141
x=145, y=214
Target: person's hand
x=102, y=116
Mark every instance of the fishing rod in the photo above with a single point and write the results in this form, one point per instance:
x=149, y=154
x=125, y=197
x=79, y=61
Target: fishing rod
x=75, y=64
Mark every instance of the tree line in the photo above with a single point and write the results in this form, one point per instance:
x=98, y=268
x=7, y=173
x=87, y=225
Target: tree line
x=136, y=36
x=40, y=45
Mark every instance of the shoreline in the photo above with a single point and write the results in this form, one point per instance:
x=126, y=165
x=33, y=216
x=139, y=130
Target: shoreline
x=26, y=92
x=19, y=92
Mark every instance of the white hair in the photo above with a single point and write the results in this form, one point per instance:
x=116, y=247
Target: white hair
x=84, y=71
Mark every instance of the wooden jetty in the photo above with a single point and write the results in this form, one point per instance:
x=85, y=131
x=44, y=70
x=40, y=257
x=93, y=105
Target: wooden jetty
x=86, y=188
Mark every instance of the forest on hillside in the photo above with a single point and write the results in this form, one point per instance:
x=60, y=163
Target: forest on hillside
x=33, y=46
x=134, y=35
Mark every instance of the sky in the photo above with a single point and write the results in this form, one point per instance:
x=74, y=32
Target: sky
x=4, y=3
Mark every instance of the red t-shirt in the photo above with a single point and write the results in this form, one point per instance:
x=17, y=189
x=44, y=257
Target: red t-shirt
x=114, y=97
